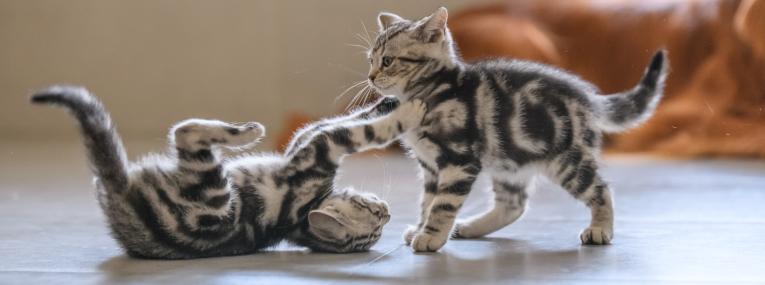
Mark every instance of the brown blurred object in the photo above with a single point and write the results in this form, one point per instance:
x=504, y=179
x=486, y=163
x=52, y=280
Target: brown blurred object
x=715, y=92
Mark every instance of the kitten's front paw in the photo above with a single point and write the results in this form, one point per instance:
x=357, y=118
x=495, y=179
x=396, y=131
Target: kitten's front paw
x=410, y=113
x=596, y=235
x=429, y=241
x=409, y=234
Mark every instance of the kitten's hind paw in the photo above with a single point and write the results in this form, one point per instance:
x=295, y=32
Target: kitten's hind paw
x=462, y=229
x=195, y=134
x=596, y=235
x=257, y=129
x=409, y=234
x=244, y=135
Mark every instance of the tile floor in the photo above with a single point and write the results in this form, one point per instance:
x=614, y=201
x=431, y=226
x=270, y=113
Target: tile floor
x=678, y=222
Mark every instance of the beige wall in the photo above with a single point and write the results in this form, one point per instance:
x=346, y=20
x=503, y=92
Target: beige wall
x=155, y=63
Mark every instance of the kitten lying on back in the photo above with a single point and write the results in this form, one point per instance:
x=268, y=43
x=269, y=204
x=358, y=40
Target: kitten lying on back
x=189, y=204
x=512, y=119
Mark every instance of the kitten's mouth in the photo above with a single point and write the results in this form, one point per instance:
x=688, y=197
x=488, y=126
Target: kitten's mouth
x=382, y=87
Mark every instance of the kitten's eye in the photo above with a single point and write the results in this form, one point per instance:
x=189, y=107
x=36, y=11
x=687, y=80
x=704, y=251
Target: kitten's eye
x=387, y=61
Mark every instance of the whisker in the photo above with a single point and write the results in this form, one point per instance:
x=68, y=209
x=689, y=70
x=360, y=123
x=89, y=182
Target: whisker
x=358, y=99
x=362, y=98
x=366, y=49
x=355, y=98
x=348, y=89
x=395, y=202
x=385, y=182
x=369, y=94
x=397, y=92
x=348, y=69
x=352, y=101
x=365, y=40
x=365, y=96
x=369, y=40
x=362, y=38
x=354, y=83
x=398, y=174
x=389, y=183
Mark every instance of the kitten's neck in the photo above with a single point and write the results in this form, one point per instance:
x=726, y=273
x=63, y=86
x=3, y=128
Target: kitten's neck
x=447, y=71
x=300, y=234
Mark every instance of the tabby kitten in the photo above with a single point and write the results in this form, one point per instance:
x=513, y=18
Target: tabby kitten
x=188, y=203
x=512, y=119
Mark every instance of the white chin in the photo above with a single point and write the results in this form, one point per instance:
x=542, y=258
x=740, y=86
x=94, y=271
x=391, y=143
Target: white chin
x=385, y=88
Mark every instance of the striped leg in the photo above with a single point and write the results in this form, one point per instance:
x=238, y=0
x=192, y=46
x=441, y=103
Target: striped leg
x=381, y=108
x=585, y=184
x=315, y=161
x=454, y=184
x=335, y=141
x=509, y=204
x=431, y=188
x=194, y=138
x=204, y=189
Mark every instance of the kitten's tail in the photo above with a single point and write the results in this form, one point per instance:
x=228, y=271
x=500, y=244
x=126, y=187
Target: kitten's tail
x=622, y=111
x=105, y=150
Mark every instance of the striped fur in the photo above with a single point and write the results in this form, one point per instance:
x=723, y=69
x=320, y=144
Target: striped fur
x=189, y=203
x=515, y=120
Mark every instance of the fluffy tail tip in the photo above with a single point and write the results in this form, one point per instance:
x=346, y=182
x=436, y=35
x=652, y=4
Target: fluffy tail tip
x=58, y=94
x=40, y=98
x=656, y=70
x=657, y=63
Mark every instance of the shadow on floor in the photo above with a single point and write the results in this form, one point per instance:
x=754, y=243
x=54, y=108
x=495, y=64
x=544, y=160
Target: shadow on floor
x=469, y=259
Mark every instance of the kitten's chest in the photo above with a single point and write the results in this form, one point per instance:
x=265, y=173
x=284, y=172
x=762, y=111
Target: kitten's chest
x=445, y=125
x=423, y=148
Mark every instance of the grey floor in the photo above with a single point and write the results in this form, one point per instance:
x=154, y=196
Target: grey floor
x=687, y=222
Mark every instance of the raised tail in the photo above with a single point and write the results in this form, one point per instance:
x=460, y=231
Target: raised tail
x=622, y=111
x=104, y=147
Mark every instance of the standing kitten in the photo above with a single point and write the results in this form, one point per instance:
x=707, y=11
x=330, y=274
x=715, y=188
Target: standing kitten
x=512, y=119
x=189, y=204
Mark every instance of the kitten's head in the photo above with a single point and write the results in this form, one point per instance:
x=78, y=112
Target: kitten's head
x=406, y=52
x=347, y=221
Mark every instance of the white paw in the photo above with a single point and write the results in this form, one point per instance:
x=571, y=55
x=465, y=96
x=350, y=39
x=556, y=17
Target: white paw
x=246, y=134
x=464, y=229
x=429, y=242
x=596, y=235
x=257, y=129
x=409, y=234
x=410, y=113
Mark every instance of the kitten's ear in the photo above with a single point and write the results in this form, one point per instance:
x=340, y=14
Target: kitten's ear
x=434, y=28
x=385, y=20
x=325, y=225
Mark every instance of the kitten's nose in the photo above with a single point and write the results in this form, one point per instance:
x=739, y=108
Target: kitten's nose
x=372, y=77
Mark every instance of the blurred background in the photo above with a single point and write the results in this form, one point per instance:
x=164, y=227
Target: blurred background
x=155, y=63
x=283, y=63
